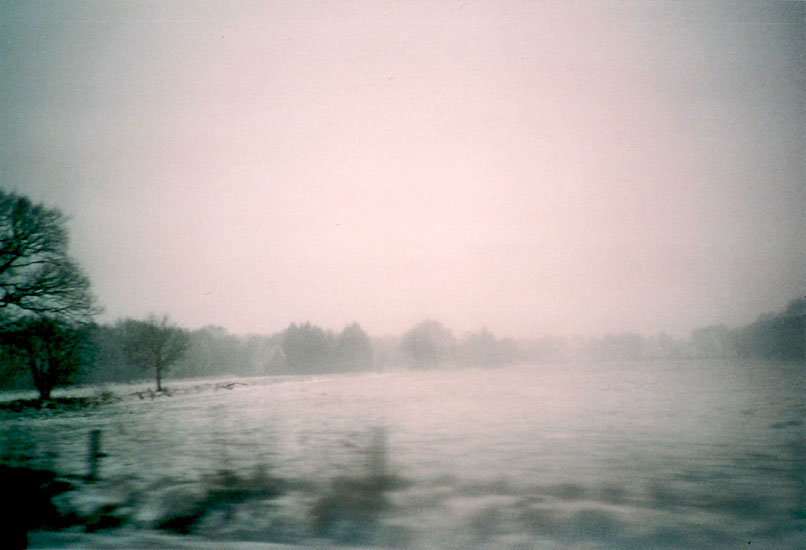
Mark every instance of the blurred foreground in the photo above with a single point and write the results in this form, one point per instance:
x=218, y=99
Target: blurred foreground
x=665, y=455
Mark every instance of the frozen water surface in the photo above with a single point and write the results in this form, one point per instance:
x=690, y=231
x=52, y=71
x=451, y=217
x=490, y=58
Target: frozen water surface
x=606, y=455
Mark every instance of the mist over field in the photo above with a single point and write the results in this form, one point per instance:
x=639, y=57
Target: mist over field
x=467, y=274
x=537, y=168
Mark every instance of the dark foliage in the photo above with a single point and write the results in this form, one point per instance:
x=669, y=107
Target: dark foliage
x=53, y=351
x=775, y=336
x=58, y=403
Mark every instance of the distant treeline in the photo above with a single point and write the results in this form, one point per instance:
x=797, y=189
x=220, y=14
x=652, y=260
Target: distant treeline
x=773, y=336
x=49, y=338
x=308, y=349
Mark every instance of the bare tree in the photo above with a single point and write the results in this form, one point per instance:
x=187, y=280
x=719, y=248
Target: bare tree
x=45, y=300
x=37, y=276
x=153, y=344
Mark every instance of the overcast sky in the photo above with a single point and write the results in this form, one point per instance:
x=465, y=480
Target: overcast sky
x=535, y=167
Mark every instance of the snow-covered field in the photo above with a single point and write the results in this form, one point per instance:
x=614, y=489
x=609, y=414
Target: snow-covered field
x=608, y=455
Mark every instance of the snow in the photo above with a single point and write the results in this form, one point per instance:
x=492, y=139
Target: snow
x=666, y=455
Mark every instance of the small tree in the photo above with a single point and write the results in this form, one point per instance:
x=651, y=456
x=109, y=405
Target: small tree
x=153, y=344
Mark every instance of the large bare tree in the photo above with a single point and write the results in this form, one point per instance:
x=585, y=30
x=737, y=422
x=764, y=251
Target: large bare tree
x=37, y=276
x=45, y=300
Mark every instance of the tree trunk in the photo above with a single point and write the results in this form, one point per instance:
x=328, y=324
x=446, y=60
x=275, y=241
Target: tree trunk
x=42, y=384
x=44, y=392
x=159, y=378
x=39, y=372
x=41, y=381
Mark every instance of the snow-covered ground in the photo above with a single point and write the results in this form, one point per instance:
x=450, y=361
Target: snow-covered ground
x=652, y=455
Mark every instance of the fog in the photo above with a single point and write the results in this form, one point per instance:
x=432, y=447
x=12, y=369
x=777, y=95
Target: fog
x=532, y=167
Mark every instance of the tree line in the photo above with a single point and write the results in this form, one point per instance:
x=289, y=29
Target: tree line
x=773, y=336
x=48, y=336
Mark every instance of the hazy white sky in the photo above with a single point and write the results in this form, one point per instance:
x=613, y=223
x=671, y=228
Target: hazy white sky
x=535, y=167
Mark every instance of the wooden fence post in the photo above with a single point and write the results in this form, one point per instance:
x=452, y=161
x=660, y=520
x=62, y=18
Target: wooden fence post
x=94, y=454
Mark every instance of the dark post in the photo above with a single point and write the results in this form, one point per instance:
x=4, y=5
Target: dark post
x=94, y=454
x=377, y=455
